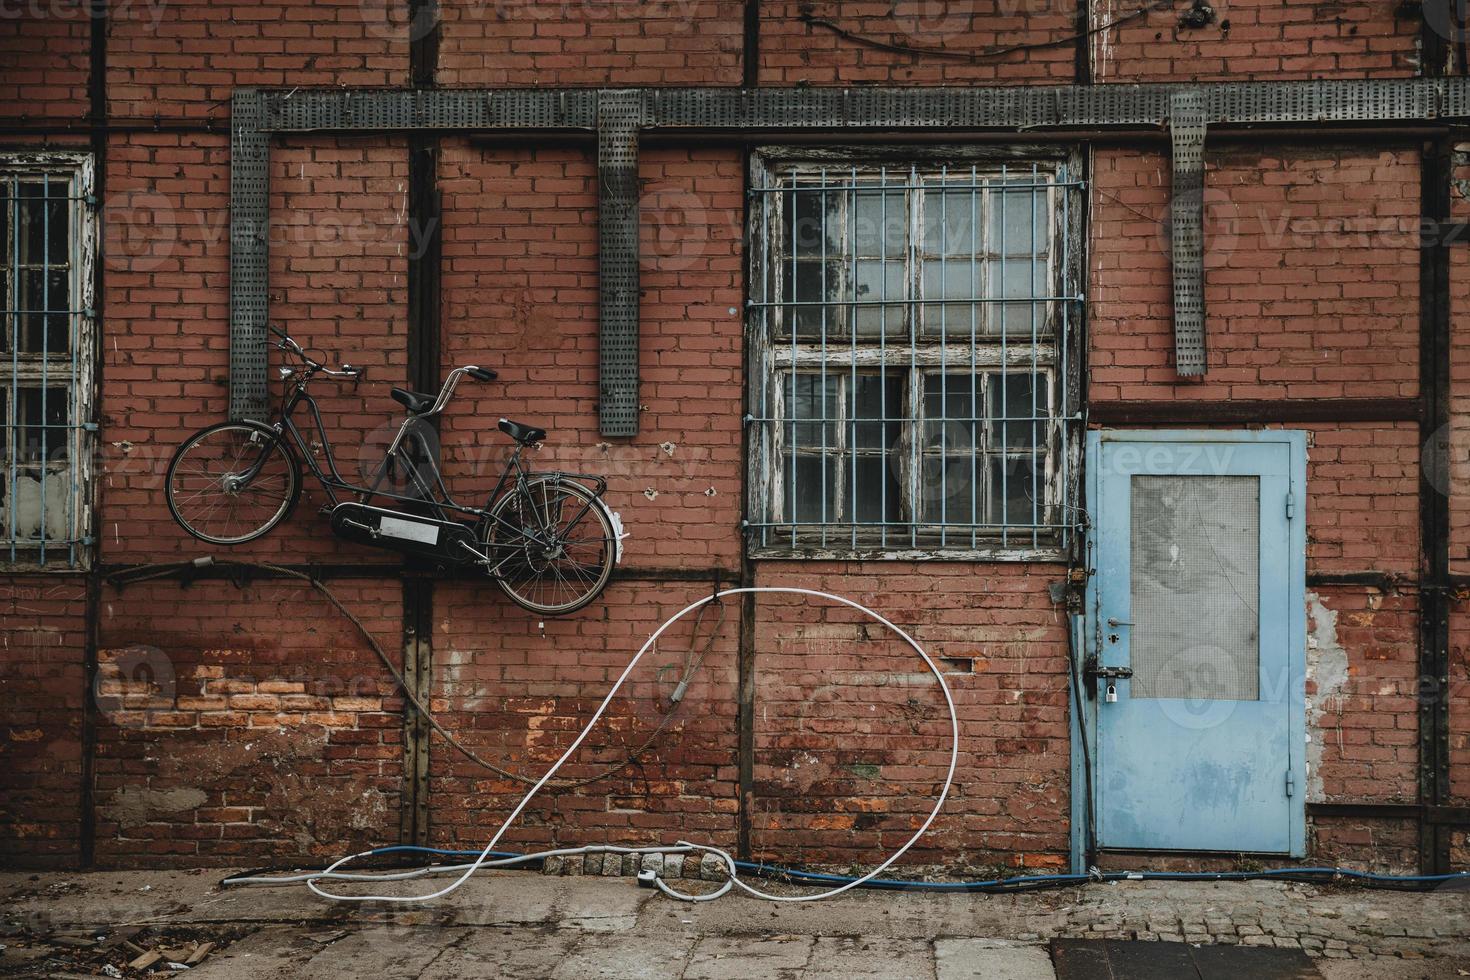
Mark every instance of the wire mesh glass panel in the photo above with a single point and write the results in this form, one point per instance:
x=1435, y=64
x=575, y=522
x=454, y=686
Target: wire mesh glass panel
x=929, y=304
x=1196, y=587
x=42, y=204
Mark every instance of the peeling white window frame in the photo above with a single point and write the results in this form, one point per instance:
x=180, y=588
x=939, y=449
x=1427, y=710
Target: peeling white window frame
x=771, y=353
x=74, y=369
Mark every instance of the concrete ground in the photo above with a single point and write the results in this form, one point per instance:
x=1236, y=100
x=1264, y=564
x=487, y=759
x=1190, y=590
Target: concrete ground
x=523, y=924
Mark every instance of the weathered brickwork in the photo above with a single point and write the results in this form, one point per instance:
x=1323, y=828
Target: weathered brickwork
x=590, y=42
x=242, y=725
x=1257, y=39
x=42, y=686
x=1311, y=276
x=249, y=723
x=517, y=696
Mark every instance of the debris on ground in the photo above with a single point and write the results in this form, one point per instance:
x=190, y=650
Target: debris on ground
x=123, y=951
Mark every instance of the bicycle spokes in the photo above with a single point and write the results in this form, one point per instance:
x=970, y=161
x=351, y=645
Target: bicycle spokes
x=552, y=546
x=231, y=483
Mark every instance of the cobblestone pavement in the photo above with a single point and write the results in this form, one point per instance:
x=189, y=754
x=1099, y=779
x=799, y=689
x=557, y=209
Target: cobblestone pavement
x=524, y=924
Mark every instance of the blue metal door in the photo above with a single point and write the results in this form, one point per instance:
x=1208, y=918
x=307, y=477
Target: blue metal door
x=1197, y=627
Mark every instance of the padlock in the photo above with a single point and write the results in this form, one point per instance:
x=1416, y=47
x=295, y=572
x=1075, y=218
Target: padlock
x=1112, y=695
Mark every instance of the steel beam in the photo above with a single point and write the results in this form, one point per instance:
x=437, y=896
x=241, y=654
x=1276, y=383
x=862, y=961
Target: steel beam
x=618, y=116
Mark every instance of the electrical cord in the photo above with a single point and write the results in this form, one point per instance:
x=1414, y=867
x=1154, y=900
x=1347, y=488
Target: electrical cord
x=483, y=859
x=929, y=51
x=1013, y=885
x=162, y=570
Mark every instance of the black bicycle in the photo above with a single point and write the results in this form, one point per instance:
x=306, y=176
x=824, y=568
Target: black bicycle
x=547, y=539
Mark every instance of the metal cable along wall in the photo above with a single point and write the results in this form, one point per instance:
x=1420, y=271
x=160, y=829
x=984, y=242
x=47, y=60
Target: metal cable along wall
x=912, y=354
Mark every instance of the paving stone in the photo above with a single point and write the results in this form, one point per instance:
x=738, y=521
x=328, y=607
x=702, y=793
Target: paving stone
x=739, y=957
x=988, y=959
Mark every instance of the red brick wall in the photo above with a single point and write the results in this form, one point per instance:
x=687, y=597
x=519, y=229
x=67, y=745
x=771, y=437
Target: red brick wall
x=338, y=260
x=42, y=683
x=44, y=57
x=793, y=52
x=592, y=42
x=256, y=752
x=520, y=296
x=852, y=734
x=269, y=731
x=518, y=696
x=1257, y=39
x=183, y=57
x=1311, y=276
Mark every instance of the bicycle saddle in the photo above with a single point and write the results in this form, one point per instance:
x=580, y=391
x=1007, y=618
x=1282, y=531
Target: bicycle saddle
x=523, y=434
x=415, y=401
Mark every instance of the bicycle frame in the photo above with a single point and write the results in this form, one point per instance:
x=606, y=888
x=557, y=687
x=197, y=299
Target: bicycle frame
x=435, y=496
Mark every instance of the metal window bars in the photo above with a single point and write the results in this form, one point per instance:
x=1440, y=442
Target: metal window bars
x=43, y=295
x=910, y=337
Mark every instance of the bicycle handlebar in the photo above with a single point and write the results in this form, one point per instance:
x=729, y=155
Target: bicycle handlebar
x=348, y=371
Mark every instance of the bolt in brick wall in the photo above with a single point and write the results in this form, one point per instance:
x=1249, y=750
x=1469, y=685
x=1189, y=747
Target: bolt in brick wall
x=1311, y=276
x=42, y=683
x=244, y=725
x=590, y=42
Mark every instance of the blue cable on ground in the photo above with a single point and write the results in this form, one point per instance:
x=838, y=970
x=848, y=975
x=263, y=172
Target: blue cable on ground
x=1028, y=882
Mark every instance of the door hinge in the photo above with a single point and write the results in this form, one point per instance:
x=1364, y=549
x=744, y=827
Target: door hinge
x=1290, y=783
x=1290, y=505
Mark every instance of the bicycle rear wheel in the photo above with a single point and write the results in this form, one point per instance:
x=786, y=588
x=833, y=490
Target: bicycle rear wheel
x=552, y=546
x=231, y=483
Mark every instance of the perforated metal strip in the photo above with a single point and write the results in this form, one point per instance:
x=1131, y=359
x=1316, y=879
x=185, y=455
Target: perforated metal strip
x=832, y=109
x=619, y=117
x=249, y=217
x=1186, y=222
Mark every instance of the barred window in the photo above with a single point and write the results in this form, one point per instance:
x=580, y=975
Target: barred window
x=910, y=330
x=45, y=292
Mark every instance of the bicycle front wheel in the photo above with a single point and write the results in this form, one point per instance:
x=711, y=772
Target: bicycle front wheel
x=231, y=483
x=552, y=546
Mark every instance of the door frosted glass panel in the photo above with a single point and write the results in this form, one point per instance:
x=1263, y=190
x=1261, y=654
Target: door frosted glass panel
x=1196, y=587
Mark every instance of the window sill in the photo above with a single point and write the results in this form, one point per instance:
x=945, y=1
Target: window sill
x=1051, y=554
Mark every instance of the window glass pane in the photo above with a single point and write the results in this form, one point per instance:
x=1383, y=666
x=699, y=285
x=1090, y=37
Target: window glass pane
x=1010, y=409
x=806, y=286
x=879, y=397
x=805, y=490
x=811, y=222
x=949, y=412
x=949, y=221
x=1195, y=587
x=813, y=414
x=878, y=495
x=947, y=489
x=878, y=280
x=1019, y=217
x=1018, y=277
x=41, y=290
x=880, y=224
x=1012, y=480
x=42, y=416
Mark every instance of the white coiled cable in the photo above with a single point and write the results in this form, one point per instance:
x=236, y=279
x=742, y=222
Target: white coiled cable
x=484, y=861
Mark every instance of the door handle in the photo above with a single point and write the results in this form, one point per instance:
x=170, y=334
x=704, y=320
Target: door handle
x=1118, y=622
